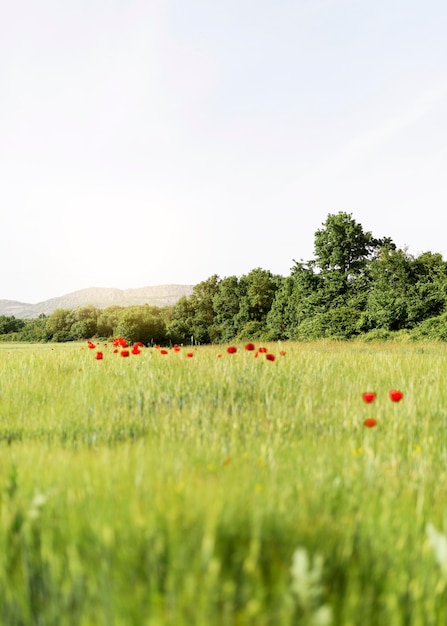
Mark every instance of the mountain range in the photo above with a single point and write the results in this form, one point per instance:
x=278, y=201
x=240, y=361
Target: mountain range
x=99, y=297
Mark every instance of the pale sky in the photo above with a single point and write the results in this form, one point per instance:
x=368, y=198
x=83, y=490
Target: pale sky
x=163, y=141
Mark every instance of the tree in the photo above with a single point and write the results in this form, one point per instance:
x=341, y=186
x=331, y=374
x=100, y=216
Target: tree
x=201, y=303
x=10, y=324
x=180, y=327
x=141, y=323
x=83, y=322
x=343, y=246
x=58, y=325
x=226, y=305
x=108, y=320
x=261, y=286
x=405, y=290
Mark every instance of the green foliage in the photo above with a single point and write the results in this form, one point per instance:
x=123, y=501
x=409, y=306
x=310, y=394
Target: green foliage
x=405, y=290
x=226, y=305
x=108, y=320
x=343, y=246
x=180, y=328
x=432, y=329
x=141, y=323
x=357, y=284
x=9, y=324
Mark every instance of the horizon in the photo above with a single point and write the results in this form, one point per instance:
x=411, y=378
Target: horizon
x=164, y=142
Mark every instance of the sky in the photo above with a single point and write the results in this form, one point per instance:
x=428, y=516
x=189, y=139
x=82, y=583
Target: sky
x=149, y=142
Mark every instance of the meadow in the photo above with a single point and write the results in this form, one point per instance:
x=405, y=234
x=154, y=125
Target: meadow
x=223, y=489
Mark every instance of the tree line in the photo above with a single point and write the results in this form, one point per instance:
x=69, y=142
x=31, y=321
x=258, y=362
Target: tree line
x=356, y=285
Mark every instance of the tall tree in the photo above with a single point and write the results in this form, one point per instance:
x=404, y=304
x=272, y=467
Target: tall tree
x=226, y=304
x=342, y=245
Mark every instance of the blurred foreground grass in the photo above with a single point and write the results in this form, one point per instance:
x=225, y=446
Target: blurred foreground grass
x=160, y=489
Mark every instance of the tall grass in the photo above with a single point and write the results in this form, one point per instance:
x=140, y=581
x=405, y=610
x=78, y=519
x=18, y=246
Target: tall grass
x=166, y=490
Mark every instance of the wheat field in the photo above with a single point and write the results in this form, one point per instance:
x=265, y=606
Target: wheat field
x=221, y=489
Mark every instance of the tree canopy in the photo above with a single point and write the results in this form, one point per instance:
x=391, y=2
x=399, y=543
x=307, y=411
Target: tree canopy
x=356, y=285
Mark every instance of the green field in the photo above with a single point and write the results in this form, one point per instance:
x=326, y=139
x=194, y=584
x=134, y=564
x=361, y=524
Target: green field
x=166, y=490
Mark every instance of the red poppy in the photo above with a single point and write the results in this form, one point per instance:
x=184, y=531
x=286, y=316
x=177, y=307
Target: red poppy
x=136, y=350
x=231, y=349
x=90, y=344
x=270, y=357
x=115, y=351
x=250, y=346
x=368, y=396
x=176, y=348
x=396, y=395
x=263, y=350
x=139, y=344
x=98, y=356
x=370, y=422
x=163, y=351
x=122, y=342
x=124, y=352
x=282, y=352
x=189, y=355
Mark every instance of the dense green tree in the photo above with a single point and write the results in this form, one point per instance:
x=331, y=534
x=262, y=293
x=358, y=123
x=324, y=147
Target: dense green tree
x=35, y=330
x=141, y=323
x=58, y=325
x=342, y=245
x=10, y=324
x=108, y=320
x=226, y=305
x=180, y=327
x=83, y=322
x=281, y=319
x=260, y=289
x=201, y=303
x=405, y=290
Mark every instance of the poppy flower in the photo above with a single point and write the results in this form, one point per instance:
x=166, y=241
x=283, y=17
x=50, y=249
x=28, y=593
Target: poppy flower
x=124, y=352
x=250, y=346
x=368, y=396
x=123, y=342
x=396, y=395
x=163, y=351
x=370, y=422
x=189, y=355
x=270, y=357
x=99, y=356
x=231, y=349
x=115, y=351
x=136, y=350
x=90, y=344
x=263, y=350
x=176, y=348
x=282, y=352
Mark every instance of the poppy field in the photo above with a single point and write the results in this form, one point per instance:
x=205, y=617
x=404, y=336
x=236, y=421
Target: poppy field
x=276, y=484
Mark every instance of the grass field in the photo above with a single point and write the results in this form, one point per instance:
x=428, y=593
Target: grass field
x=223, y=490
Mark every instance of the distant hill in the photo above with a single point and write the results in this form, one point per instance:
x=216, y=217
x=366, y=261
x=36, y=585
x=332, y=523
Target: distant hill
x=101, y=298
